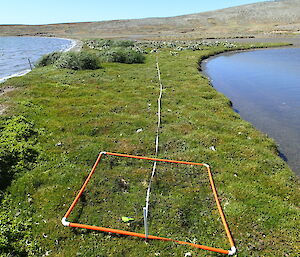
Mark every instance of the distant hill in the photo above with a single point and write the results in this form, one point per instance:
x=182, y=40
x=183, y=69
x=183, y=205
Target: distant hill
x=265, y=18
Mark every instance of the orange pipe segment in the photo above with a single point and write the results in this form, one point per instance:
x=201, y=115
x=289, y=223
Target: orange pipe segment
x=84, y=186
x=227, y=230
x=128, y=233
x=155, y=159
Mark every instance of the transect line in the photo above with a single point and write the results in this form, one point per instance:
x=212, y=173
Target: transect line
x=146, y=208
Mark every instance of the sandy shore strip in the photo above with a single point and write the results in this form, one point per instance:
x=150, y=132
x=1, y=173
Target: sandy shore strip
x=18, y=74
x=76, y=45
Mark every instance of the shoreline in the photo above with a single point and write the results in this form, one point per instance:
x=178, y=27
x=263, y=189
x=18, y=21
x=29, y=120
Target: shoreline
x=76, y=45
x=294, y=40
x=203, y=70
x=204, y=61
x=18, y=74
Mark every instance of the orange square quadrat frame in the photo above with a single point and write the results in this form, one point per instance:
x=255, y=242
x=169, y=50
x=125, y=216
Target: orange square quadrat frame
x=232, y=251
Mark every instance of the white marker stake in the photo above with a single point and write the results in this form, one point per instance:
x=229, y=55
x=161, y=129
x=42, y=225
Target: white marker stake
x=145, y=221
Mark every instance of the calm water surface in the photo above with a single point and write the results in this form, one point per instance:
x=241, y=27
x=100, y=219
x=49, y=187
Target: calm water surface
x=15, y=51
x=264, y=87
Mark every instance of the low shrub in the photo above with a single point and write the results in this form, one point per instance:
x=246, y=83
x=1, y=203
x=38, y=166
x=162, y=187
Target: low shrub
x=18, y=149
x=16, y=231
x=122, y=55
x=123, y=43
x=48, y=59
x=78, y=61
x=104, y=43
x=18, y=152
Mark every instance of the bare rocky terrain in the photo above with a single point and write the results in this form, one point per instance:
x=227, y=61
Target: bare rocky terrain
x=265, y=19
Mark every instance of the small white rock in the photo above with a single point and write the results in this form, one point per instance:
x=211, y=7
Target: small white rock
x=212, y=148
x=139, y=130
x=187, y=254
x=47, y=253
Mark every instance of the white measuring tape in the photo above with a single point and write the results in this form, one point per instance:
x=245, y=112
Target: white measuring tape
x=146, y=208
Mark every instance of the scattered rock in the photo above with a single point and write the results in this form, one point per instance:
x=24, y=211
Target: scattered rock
x=123, y=185
x=6, y=89
x=173, y=53
x=47, y=253
x=213, y=148
x=139, y=130
x=2, y=109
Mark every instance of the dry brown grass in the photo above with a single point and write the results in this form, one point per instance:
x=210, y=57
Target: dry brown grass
x=272, y=18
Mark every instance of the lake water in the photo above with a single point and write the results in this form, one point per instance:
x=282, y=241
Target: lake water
x=15, y=52
x=264, y=86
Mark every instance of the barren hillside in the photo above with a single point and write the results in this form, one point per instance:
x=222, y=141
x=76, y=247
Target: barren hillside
x=266, y=18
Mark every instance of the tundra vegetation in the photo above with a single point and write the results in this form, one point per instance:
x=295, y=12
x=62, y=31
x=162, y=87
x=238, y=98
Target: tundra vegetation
x=61, y=118
x=70, y=60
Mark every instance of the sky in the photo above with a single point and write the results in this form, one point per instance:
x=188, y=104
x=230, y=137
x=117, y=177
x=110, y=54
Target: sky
x=62, y=11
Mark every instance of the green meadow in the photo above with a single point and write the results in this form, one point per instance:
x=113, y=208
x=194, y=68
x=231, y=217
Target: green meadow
x=63, y=118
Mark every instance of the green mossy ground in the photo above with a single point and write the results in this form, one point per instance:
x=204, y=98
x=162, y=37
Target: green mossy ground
x=84, y=112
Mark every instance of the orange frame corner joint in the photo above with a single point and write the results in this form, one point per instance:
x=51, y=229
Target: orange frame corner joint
x=66, y=223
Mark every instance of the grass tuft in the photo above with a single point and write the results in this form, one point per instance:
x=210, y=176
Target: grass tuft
x=78, y=61
x=122, y=55
x=48, y=59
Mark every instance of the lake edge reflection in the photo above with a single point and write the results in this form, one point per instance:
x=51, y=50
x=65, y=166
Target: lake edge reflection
x=264, y=87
